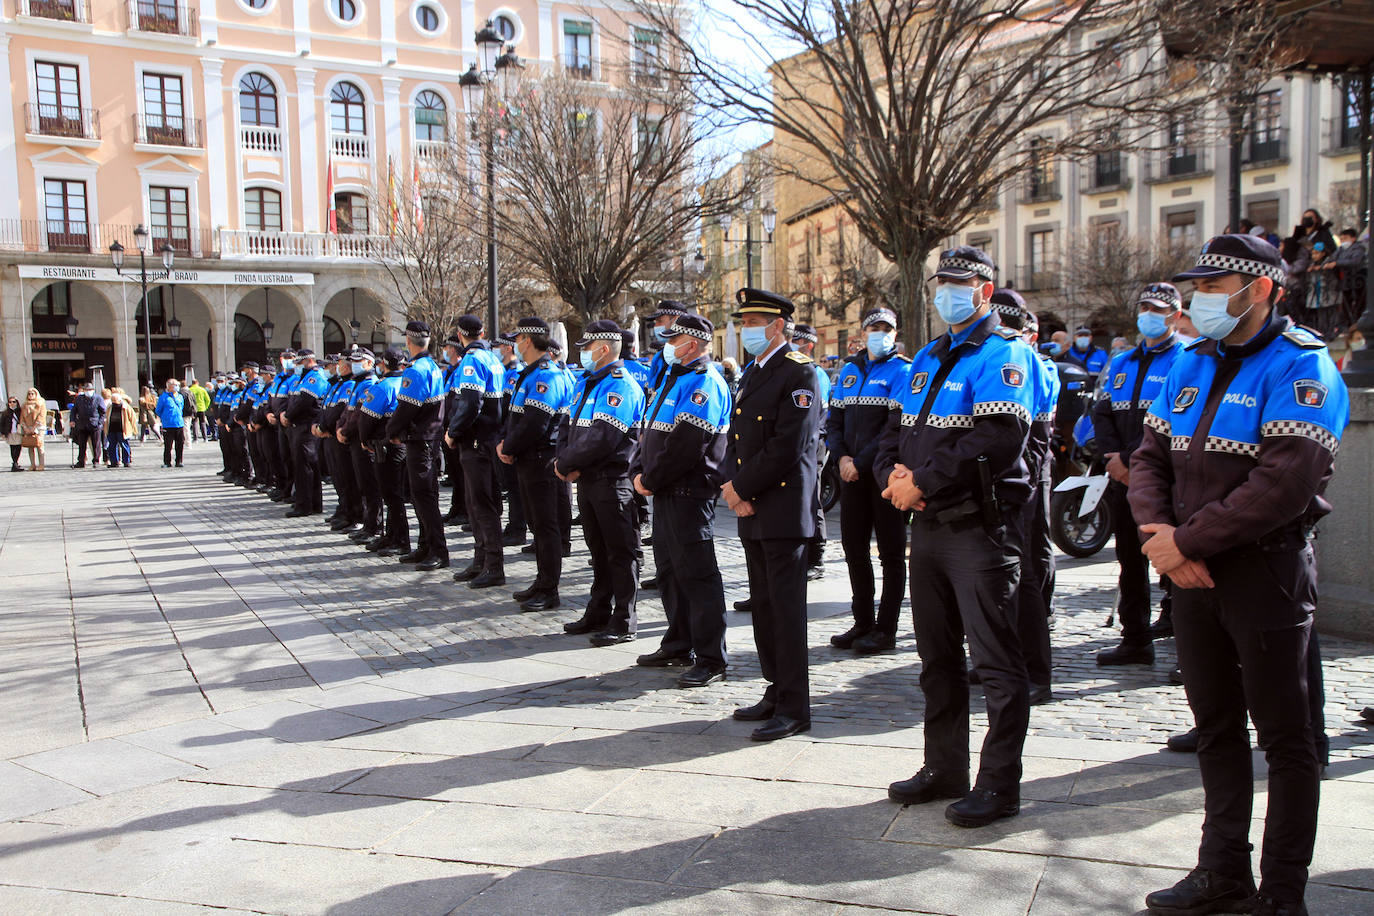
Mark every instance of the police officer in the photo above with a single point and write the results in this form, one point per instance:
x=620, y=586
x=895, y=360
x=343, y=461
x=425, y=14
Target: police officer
x=804, y=339
x=635, y=367
x=594, y=446
x=239, y=471
x=1132, y=383
x=639, y=371
x=1226, y=486
x=259, y=429
x=1084, y=353
x=369, y=496
x=218, y=412
x=349, y=512
x=662, y=318
x=276, y=405
x=416, y=423
x=450, y=355
x=302, y=412
x=513, y=535
x=864, y=388
x=953, y=454
x=564, y=488
x=376, y=409
x=474, y=427
x=243, y=418
x=1035, y=588
x=540, y=395
x=770, y=469
x=678, y=463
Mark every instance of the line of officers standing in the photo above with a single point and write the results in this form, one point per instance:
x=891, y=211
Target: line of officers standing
x=947, y=453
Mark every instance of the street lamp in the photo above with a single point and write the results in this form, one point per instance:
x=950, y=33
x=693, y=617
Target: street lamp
x=353, y=324
x=71, y=326
x=173, y=326
x=770, y=221
x=267, y=326
x=117, y=258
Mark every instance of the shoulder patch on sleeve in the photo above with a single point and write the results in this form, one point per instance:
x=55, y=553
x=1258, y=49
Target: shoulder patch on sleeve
x=1303, y=338
x=1310, y=393
x=1006, y=333
x=700, y=397
x=798, y=357
x=405, y=383
x=1013, y=376
x=803, y=398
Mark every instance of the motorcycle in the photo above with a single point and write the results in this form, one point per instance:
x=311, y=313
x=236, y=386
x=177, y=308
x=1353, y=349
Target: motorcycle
x=1080, y=521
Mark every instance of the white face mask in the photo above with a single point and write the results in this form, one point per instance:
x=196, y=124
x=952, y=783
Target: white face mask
x=1210, y=315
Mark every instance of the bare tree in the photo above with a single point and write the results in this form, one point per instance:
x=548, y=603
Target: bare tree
x=1103, y=273
x=594, y=189
x=913, y=114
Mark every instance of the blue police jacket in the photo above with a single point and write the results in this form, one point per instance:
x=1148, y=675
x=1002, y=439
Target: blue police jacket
x=683, y=443
x=307, y=398
x=1045, y=378
x=417, y=415
x=657, y=369
x=968, y=396
x=377, y=405
x=1239, y=442
x=538, y=402
x=512, y=373
x=336, y=403
x=859, y=405
x=1132, y=382
x=823, y=386
x=1093, y=359
x=169, y=407
x=598, y=435
x=478, y=381
x=639, y=371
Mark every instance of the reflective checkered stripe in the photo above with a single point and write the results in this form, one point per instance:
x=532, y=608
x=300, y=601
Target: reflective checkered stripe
x=953, y=421
x=981, y=270
x=1323, y=437
x=473, y=386
x=861, y=401
x=539, y=405
x=1141, y=404
x=1180, y=443
x=662, y=426
x=408, y=399
x=699, y=422
x=516, y=408
x=1046, y=417
x=993, y=408
x=1231, y=447
x=492, y=394
x=610, y=419
x=1158, y=424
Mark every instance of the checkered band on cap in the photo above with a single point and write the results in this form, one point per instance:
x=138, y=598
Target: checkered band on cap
x=530, y=329
x=601, y=335
x=805, y=335
x=982, y=270
x=417, y=336
x=698, y=333
x=1162, y=294
x=1009, y=309
x=1235, y=265
x=878, y=315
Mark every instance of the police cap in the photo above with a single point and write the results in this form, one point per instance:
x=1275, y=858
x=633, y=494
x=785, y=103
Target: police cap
x=762, y=302
x=602, y=329
x=1236, y=254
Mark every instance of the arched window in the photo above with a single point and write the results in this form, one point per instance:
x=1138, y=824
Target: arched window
x=333, y=336
x=431, y=116
x=347, y=110
x=428, y=18
x=257, y=101
x=249, y=341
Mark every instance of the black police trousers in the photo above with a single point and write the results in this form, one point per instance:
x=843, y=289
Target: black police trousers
x=1243, y=647
x=1133, y=583
x=777, y=593
x=540, y=489
x=422, y=472
x=963, y=583
x=863, y=514
x=225, y=452
x=482, y=493
x=307, y=489
x=1031, y=526
x=286, y=461
x=689, y=578
x=369, y=493
x=267, y=448
x=611, y=528
x=345, y=484
x=389, y=462
x=506, y=475
x=238, y=451
x=457, y=501
x=815, y=547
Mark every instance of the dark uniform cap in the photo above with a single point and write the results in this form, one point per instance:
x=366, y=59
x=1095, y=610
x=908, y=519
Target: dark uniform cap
x=505, y=339
x=965, y=263
x=417, y=331
x=305, y=353
x=250, y=365
x=362, y=353
x=627, y=341
x=805, y=332
x=470, y=325
x=554, y=349
x=1161, y=294
x=669, y=308
x=288, y=353
x=393, y=357
x=535, y=325
x=453, y=341
x=873, y=316
x=603, y=329
x=693, y=326
x=1236, y=254
x=1083, y=329
x=1010, y=308
x=762, y=302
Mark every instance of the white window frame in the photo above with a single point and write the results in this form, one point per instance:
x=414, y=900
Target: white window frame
x=268, y=7
x=514, y=17
x=415, y=18
x=149, y=175
x=44, y=169
x=353, y=23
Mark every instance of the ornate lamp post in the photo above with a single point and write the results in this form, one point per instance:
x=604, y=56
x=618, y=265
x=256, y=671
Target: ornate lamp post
x=168, y=256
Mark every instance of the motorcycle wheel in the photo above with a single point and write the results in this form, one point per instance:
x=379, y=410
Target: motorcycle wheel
x=1079, y=537
x=830, y=486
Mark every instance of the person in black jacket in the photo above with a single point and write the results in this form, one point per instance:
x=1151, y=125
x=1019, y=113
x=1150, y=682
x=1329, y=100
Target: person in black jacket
x=87, y=415
x=474, y=426
x=9, y=426
x=770, y=469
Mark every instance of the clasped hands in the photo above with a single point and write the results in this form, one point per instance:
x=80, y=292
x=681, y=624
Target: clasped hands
x=1167, y=560
x=902, y=491
x=738, y=504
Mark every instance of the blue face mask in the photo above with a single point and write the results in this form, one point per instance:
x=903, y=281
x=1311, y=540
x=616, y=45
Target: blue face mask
x=1151, y=324
x=954, y=303
x=357, y=368
x=880, y=343
x=755, y=340
x=670, y=354
x=661, y=335
x=588, y=361
x=1209, y=314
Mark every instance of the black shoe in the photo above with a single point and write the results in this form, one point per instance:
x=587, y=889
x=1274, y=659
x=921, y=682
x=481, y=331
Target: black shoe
x=846, y=639
x=1040, y=694
x=547, y=601
x=745, y=607
x=179, y=464
x=760, y=712
x=581, y=625
x=432, y=563
x=1203, y=891
x=700, y=675
x=525, y=594
x=361, y=536
x=392, y=550
x=647, y=542
x=1162, y=628
x=874, y=642
x=513, y=539
x=1176, y=677
x=298, y=513
x=452, y=519
x=649, y=584
x=279, y=498
x=981, y=807
x=928, y=785
x=609, y=637
x=815, y=572
x=661, y=658
x=780, y=727
x=1264, y=905
x=529, y=548
x=467, y=575
x=339, y=524
x=1184, y=742
x=377, y=543
x=415, y=556
x=1126, y=654
x=488, y=579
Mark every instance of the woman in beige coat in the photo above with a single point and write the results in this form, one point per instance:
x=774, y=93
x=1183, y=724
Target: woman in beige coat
x=33, y=423
x=119, y=426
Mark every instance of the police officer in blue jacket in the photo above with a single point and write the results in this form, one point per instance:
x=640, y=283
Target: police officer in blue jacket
x=1226, y=485
x=953, y=453
x=864, y=389
x=539, y=397
x=450, y=355
x=302, y=412
x=376, y=408
x=346, y=433
x=636, y=368
x=276, y=406
x=416, y=422
x=661, y=318
x=804, y=339
x=513, y=535
x=678, y=463
x=474, y=427
x=1085, y=353
x=594, y=447
x=349, y=512
x=1131, y=384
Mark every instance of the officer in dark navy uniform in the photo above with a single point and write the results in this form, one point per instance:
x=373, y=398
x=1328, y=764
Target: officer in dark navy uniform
x=953, y=453
x=347, y=435
x=770, y=469
x=594, y=447
x=376, y=408
x=416, y=424
x=1132, y=382
x=348, y=515
x=863, y=393
x=639, y=371
x=474, y=426
x=678, y=464
x=301, y=413
x=1226, y=486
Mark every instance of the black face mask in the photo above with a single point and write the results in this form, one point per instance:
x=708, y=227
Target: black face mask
x=1308, y=222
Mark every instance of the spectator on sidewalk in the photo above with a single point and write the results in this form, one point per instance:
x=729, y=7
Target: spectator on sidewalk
x=33, y=424
x=171, y=413
x=86, y=415
x=200, y=403
x=10, y=423
x=119, y=423
x=147, y=415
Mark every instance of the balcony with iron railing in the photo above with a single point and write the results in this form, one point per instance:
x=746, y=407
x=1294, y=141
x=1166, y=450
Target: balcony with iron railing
x=1178, y=164
x=1036, y=278
x=351, y=146
x=36, y=236
x=260, y=139
x=580, y=67
x=1266, y=147
x=1103, y=177
x=60, y=10
x=164, y=17
x=163, y=130
x=1342, y=137
x=1039, y=189
x=61, y=121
